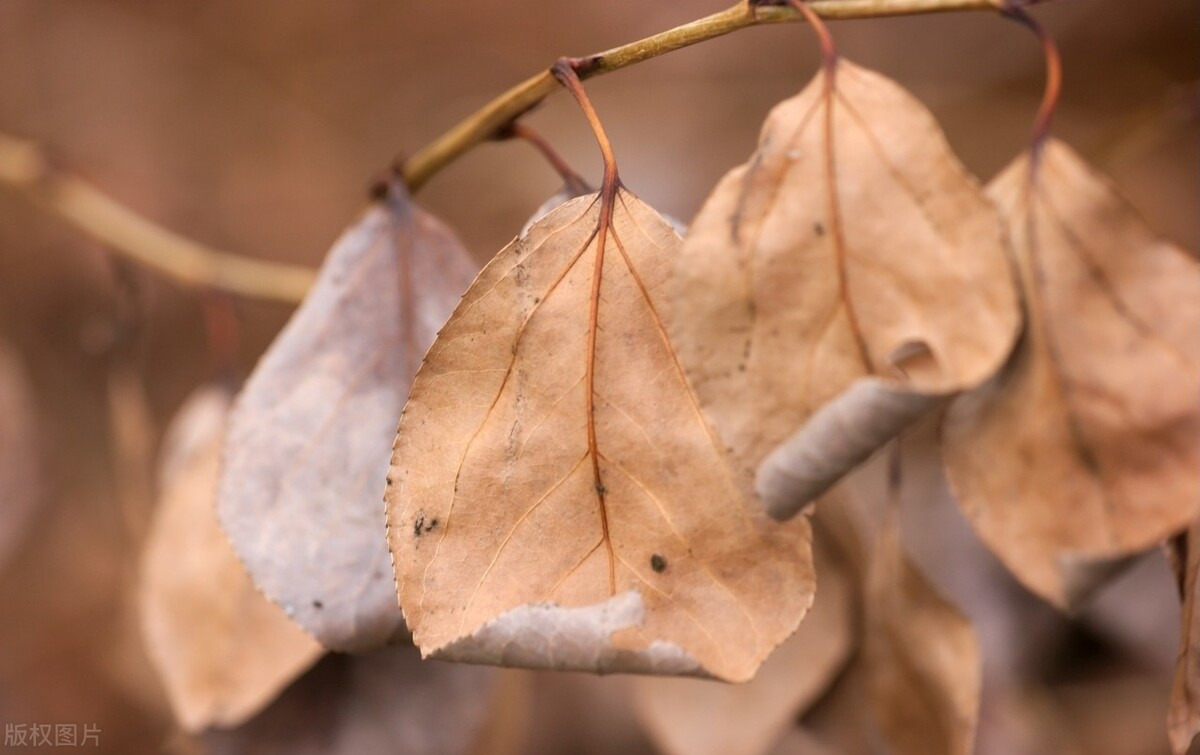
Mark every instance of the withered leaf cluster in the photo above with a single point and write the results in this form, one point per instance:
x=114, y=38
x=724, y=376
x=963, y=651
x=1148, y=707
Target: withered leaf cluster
x=611, y=444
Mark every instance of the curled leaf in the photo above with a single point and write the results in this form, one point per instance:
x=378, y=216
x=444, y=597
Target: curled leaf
x=222, y=649
x=1084, y=449
x=558, y=501
x=852, y=245
x=310, y=434
x=838, y=436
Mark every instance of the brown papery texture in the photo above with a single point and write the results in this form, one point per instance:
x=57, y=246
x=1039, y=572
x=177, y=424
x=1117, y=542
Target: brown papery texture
x=852, y=244
x=309, y=439
x=558, y=501
x=222, y=649
x=1086, y=447
x=700, y=717
x=19, y=478
x=922, y=656
x=1183, y=717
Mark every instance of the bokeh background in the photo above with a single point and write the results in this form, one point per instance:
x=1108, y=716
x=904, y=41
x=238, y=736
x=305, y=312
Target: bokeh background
x=256, y=127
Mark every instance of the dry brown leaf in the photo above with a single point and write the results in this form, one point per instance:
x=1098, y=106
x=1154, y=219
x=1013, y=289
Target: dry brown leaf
x=693, y=717
x=1085, y=448
x=310, y=434
x=1183, y=717
x=223, y=650
x=853, y=244
x=554, y=507
x=922, y=656
x=386, y=701
x=19, y=483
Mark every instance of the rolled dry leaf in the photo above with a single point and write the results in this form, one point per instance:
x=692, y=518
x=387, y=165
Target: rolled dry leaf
x=852, y=245
x=223, y=650
x=557, y=498
x=838, y=437
x=1084, y=449
x=310, y=435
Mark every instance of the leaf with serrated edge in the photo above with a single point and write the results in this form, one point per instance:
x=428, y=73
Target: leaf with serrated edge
x=310, y=434
x=222, y=649
x=1086, y=446
x=852, y=244
x=506, y=549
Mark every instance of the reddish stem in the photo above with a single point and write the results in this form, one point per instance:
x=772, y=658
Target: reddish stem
x=828, y=50
x=1053, y=92
x=564, y=71
x=574, y=183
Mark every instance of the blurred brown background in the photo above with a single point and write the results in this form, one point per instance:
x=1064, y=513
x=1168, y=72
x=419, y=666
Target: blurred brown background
x=256, y=127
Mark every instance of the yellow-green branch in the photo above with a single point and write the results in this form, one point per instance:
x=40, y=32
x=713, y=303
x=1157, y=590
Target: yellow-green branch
x=24, y=167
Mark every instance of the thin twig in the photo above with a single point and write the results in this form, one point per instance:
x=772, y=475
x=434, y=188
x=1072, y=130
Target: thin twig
x=24, y=167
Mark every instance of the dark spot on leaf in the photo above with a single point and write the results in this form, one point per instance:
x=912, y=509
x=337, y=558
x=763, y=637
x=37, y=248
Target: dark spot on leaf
x=601, y=489
x=420, y=526
x=658, y=563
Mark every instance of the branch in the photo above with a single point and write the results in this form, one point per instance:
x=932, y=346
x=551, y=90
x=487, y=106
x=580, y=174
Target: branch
x=493, y=118
x=24, y=167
